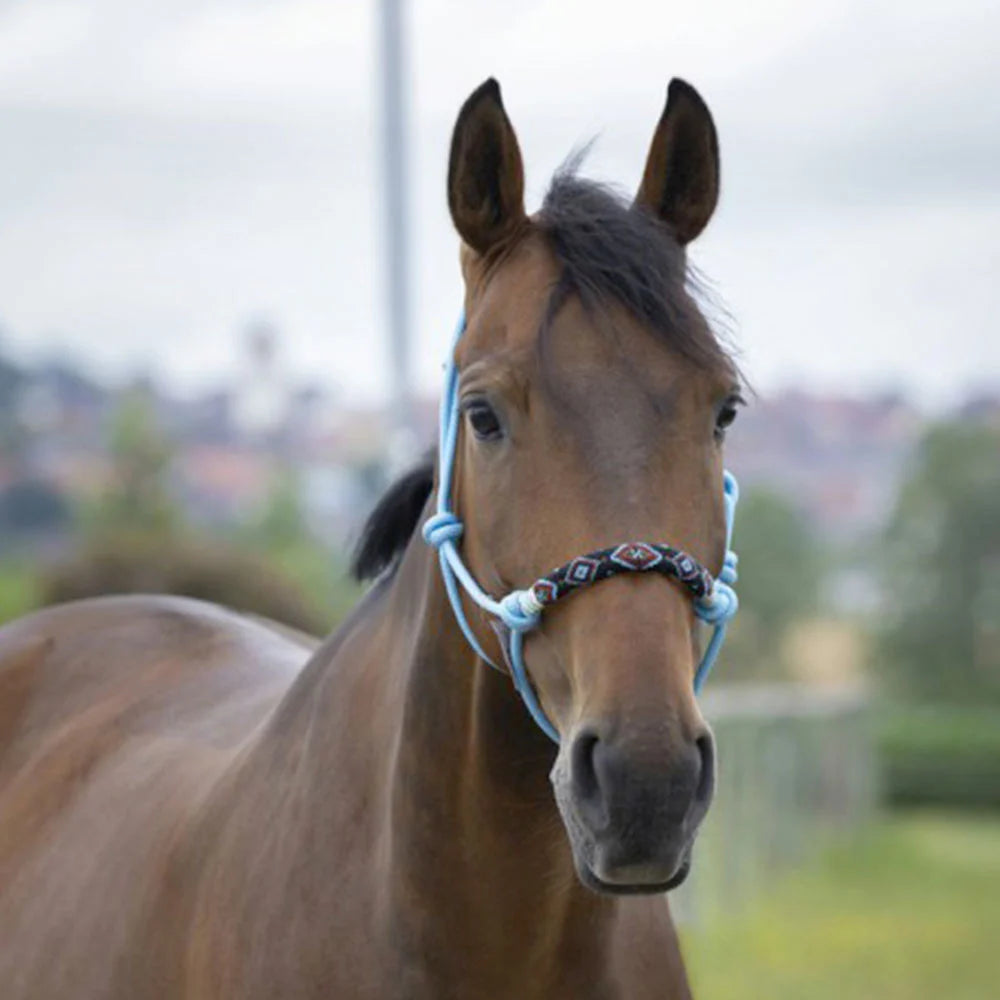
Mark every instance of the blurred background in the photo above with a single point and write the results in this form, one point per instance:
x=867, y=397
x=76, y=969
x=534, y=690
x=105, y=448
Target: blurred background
x=228, y=281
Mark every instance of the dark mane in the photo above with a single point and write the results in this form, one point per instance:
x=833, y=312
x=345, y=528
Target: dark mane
x=609, y=251
x=389, y=526
x=613, y=251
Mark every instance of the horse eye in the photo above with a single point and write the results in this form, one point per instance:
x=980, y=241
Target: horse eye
x=726, y=415
x=485, y=423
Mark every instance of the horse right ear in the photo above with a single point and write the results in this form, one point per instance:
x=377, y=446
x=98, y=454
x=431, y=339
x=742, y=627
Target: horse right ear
x=681, y=181
x=485, y=173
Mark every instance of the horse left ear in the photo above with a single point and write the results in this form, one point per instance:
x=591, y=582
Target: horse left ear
x=485, y=173
x=681, y=181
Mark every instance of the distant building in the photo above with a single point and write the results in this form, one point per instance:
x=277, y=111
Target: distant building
x=262, y=392
x=838, y=458
x=982, y=407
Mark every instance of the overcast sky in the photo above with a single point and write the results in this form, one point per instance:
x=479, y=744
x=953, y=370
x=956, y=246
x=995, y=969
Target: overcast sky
x=169, y=174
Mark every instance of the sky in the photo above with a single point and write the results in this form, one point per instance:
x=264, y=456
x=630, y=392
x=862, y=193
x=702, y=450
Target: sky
x=170, y=173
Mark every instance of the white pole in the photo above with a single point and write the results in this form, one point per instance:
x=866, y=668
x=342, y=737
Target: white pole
x=395, y=163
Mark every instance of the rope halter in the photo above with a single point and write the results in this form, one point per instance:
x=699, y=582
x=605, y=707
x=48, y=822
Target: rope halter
x=715, y=601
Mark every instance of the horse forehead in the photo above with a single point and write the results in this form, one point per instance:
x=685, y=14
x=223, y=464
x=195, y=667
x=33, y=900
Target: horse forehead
x=612, y=373
x=625, y=410
x=507, y=302
x=520, y=317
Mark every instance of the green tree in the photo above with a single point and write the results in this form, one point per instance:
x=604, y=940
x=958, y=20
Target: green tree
x=941, y=637
x=281, y=524
x=138, y=499
x=281, y=534
x=779, y=575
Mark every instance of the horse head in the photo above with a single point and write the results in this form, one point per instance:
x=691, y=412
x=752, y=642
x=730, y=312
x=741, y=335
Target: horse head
x=593, y=399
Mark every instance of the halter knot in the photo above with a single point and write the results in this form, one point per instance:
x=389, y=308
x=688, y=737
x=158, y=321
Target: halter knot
x=520, y=610
x=442, y=527
x=730, y=567
x=719, y=606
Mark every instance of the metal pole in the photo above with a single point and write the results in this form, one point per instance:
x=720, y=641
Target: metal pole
x=392, y=72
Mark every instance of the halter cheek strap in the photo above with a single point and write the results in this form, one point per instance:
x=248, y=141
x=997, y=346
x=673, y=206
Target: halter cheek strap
x=520, y=611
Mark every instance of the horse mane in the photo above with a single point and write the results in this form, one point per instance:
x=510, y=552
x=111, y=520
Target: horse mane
x=390, y=525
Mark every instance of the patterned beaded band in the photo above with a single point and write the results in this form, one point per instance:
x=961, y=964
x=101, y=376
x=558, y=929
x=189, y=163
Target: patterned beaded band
x=630, y=557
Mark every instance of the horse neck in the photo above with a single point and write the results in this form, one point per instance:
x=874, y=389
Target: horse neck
x=411, y=766
x=474, y=819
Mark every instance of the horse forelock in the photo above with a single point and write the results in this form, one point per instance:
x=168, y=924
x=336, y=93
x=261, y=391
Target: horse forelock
x=609, y=250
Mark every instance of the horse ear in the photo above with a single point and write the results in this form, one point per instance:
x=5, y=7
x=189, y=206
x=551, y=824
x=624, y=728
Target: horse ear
x=681, y=181
x=485, y=173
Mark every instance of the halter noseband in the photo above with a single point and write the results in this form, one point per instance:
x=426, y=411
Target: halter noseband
x=520, y=611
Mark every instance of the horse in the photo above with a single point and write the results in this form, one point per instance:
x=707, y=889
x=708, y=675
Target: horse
x=197, y=805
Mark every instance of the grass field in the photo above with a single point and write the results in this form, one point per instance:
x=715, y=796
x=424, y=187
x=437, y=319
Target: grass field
x=20, y=590
x=910, y=911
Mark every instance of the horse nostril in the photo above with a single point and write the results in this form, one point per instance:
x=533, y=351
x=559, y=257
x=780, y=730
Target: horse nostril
x=705, y=746
x=583, y=773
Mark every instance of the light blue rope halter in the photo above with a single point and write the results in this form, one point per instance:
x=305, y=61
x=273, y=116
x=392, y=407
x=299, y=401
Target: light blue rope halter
x=520, y=611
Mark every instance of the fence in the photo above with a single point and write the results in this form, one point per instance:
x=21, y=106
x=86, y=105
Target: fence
x=797, y=767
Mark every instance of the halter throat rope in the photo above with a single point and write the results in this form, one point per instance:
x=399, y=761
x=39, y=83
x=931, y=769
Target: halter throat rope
x=715, y=601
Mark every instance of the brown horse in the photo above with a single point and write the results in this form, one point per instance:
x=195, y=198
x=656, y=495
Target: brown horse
x=194, y=804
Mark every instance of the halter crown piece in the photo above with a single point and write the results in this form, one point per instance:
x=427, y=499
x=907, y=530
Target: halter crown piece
x=520, y=611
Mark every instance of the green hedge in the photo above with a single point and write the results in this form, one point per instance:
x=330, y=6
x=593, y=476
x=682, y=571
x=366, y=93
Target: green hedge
x=942, y=756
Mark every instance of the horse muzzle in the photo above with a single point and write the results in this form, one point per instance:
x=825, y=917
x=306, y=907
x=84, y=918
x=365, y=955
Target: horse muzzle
x=632, y=807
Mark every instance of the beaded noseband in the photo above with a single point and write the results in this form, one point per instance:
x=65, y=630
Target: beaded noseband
x=520, y=611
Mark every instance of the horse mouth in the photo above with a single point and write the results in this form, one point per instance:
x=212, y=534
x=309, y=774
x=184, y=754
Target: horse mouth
x=650, y=887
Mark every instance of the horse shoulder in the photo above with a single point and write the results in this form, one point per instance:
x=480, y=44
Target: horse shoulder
x=116, y=717
x=148, y=661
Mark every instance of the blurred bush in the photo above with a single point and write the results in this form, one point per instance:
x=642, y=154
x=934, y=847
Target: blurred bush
x=189, y=566
x=780, y=569
x=941, y=638
x=941, y=756
x=137, y=540
x=139, y=497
